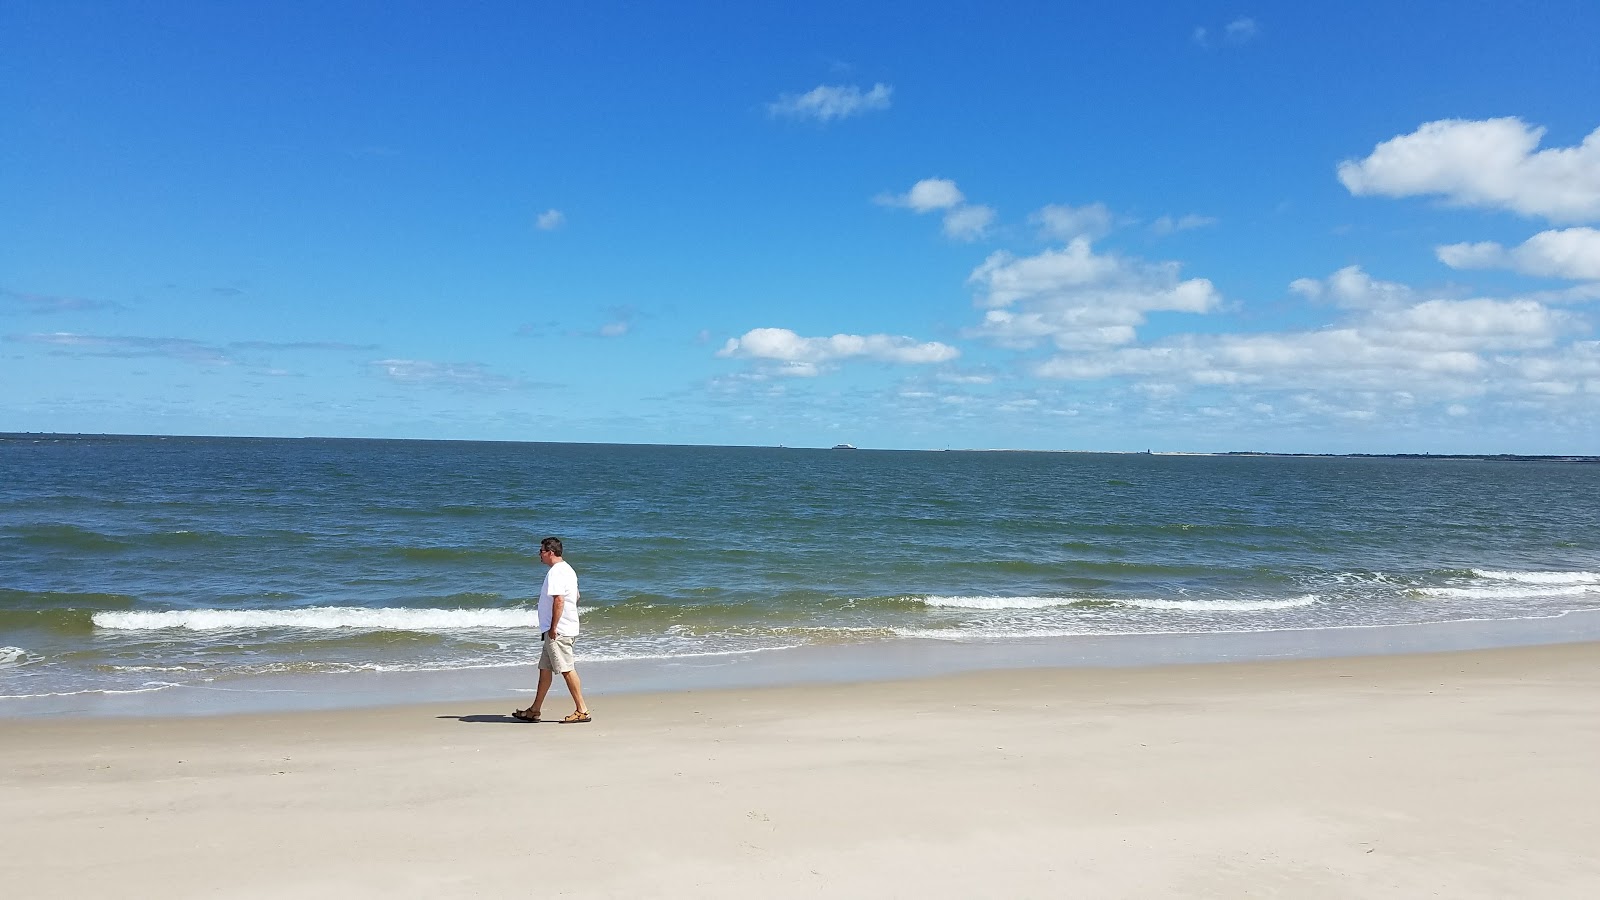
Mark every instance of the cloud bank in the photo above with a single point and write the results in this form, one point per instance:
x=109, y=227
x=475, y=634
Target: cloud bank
x=1394, y=340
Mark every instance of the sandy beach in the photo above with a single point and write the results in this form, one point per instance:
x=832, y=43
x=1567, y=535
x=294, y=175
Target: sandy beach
x=1449, y=774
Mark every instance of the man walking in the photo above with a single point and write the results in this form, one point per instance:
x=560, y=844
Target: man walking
x=558, y=625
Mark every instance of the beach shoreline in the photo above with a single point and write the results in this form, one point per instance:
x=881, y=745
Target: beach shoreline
x=1463, y=773
x=858, y=662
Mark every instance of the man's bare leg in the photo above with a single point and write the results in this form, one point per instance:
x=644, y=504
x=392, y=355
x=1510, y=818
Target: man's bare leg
x=575, y=688
x=544, y=688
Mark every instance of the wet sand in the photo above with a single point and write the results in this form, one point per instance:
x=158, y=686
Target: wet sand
x=1467, y=774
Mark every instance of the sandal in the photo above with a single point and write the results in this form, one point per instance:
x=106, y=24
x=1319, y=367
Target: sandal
x=525, y=715
x=577, y=718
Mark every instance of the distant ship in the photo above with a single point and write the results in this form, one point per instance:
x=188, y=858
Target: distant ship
x=844, y=446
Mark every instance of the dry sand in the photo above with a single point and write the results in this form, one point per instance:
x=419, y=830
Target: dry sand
x=1454, y=775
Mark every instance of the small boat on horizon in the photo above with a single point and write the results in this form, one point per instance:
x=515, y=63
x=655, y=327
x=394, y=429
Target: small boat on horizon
x=844, y=446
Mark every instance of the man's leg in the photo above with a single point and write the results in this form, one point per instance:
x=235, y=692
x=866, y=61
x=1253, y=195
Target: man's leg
x=544, y=688
x=575, y=688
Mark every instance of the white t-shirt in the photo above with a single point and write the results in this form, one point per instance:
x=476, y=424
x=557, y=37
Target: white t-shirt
x=559, y=580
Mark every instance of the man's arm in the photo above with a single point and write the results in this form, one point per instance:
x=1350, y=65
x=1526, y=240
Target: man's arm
x=556, y=602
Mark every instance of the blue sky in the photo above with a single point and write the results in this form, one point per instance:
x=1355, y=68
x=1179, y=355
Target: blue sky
x=1341, y=227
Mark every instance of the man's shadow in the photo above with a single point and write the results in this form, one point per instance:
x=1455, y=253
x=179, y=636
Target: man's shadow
x=490, y=719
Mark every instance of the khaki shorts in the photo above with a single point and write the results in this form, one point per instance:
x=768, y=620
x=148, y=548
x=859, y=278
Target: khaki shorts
x=557, y=655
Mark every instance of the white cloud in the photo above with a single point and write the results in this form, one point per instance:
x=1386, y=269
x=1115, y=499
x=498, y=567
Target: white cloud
x=460, y=376
x=954, y=377
x=1467, y=325
x=551, y=219
x=128, y=347
x=1490, y=163
x=1569, y=253
x=1076, y=298
x=968, y=223
x=1555, y=388
x=1483, y=255
x=1577, y=293
x=927, y=195
x=796, y=369
x=1020, y=404
x=962, y=221
x=620, y=322
x=1005, y=279
x=831, y=101
x=1342, y=357
x=1168, y=225
x=804, y=355
x=1352, y=288
x=1576, y=363
x=1241, y=30
x=1072, y=328
x=1061, y=222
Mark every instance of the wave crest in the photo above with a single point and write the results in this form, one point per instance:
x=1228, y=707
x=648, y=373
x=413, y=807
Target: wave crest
x=319, y=617
x=1509, y=592
x=1219, y=605
x=1003, y=602
x=1232, y=605
x=11, y=657
x=1540, y=577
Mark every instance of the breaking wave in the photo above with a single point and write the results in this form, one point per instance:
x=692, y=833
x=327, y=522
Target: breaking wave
x=319, y=617
x=1540, y=577
x=1220, y=605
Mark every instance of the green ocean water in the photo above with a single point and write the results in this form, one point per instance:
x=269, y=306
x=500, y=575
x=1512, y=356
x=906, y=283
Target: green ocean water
x=140, y=564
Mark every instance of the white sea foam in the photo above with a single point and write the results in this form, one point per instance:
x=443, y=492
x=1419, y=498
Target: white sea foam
x=1006, y=633
x=636, y=654
x=593, y=653
x=11, y=657
x=1541, y=577
x=319, y=617
x=988, y=634
x=147, y=688
x=1001, y=602
x=1510, y=591
x=1221, y=605
x=1364, y=578
x=1231, y=605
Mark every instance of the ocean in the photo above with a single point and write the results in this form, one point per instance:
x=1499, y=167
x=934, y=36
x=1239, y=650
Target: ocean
x=135, y=565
